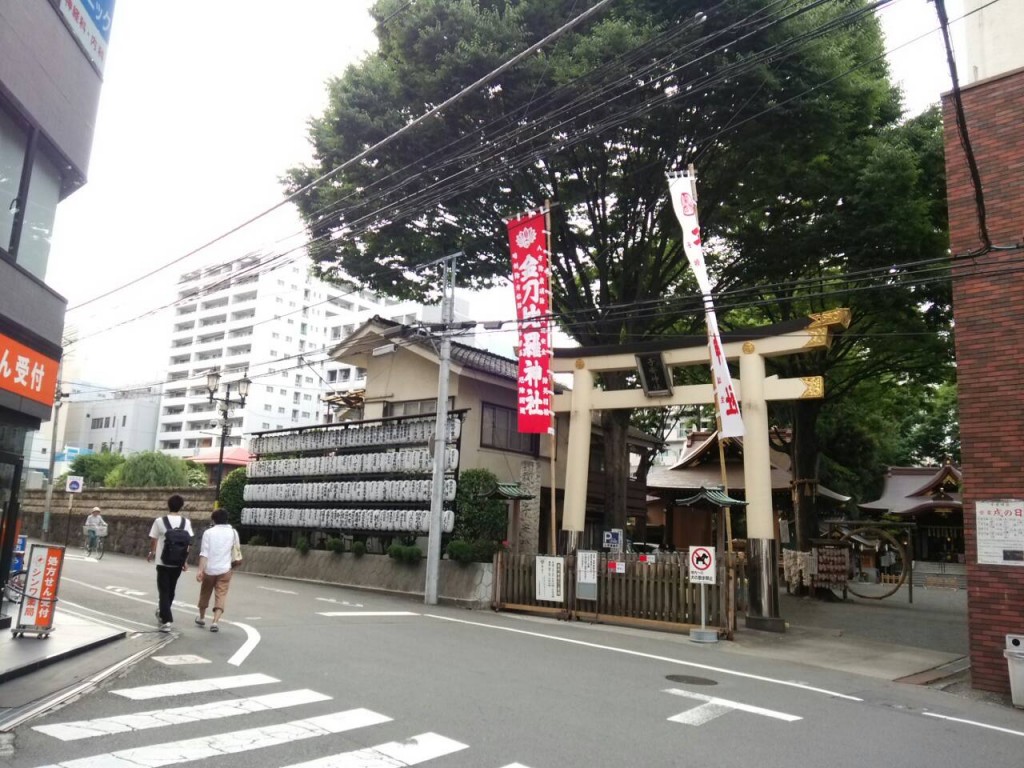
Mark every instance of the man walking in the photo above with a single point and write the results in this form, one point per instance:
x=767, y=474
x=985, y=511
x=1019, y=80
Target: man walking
x=169, y=541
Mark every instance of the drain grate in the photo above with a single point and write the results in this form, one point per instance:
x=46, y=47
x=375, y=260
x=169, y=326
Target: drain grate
x=690, y=680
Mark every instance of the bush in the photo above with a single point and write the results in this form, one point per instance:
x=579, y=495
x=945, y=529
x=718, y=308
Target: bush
x=463, y=552
x=149, y=469
x=93, y=468
x=358, y=548
x=302, y=545
x=336, y=545
x=257, y=540
x=232, y=493
x=197, y=477
x=405, y=553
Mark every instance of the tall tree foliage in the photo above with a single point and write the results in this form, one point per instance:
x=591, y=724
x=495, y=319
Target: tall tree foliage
x=779, y=105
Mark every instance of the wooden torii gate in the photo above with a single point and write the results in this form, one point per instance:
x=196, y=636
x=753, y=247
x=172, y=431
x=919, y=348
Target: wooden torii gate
x=753, y=389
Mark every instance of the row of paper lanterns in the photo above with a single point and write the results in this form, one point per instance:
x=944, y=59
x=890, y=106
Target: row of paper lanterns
x=413, y=520
x=360, y=490
x=418, y=460
x=328, y=438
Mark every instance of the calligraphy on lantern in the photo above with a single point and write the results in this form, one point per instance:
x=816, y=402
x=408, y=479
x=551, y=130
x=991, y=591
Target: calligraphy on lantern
x=531, y=284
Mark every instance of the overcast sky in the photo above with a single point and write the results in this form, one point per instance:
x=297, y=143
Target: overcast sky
x=203, y=107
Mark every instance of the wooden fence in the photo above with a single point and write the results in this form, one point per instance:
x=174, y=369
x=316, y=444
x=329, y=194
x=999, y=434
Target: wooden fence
x=652, y=595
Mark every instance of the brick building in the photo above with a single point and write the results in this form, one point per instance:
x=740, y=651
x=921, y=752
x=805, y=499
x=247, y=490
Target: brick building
x=988, y=299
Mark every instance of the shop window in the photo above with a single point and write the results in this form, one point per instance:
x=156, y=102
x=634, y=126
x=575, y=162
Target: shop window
x=37, y=231
x=13, y=145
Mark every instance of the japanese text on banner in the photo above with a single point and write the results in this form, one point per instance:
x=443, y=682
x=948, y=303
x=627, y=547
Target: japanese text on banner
x=531, y=283
x=681, y=192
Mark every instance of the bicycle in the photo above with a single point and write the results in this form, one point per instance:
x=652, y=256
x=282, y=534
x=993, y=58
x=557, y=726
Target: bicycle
x=93, y=543
x=14, y=587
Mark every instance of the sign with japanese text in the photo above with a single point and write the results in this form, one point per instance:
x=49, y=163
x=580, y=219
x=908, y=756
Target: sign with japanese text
x=26, y=372
x=682, y=192
x=1000, y=531
x=531, y=284
x=702, y=565
x=35, y=613
x=90, y=21
x=550, y=579
x=612, y=539
x=586, y=574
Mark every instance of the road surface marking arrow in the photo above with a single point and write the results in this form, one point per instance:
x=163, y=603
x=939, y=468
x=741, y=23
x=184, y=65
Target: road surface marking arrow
x=713, y=707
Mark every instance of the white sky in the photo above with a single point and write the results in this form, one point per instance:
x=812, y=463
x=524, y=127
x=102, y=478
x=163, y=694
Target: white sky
x=203, y=107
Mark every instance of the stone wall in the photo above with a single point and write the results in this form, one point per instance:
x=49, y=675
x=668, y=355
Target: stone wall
x=130, y=513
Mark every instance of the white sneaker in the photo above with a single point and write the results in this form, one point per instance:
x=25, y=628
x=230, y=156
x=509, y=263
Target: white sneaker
x=166, y=627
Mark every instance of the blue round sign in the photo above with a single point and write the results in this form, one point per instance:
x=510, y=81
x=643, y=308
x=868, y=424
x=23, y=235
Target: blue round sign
x=74, y=485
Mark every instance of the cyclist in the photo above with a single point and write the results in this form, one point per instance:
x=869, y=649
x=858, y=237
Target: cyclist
x=92, y=522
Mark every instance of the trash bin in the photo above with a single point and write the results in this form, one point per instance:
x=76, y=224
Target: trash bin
x=1014, y=654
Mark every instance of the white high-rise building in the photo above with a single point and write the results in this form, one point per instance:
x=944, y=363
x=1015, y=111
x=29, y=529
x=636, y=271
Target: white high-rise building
x=270, y=320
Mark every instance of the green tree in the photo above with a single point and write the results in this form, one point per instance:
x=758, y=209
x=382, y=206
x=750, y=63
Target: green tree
x=780, y=107
x=478, y=517
x=94, y=467
x=197, y=475
x=150, y=469
x=232, y=494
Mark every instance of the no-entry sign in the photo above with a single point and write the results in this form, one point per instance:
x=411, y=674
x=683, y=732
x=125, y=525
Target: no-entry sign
x=702, y=565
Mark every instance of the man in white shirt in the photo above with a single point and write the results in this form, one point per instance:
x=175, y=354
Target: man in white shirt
x=167, y=573
x=215, y=568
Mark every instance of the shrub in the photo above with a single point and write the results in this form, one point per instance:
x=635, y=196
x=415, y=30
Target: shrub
x=336, y=545
x=197, y=477
x=460, y=551
x=302, y=545
x=232, y=494
x=358, y=548
x=405, y=553
x=258, y=541
x=93, y=468
x=149, y=469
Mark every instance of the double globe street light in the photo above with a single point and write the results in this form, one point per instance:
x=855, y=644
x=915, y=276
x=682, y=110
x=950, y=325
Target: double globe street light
x=226, y=403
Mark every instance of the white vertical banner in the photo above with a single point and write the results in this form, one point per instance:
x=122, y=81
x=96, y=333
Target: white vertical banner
x=681, y=189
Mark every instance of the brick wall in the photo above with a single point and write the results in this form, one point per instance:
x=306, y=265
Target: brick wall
x=988, y=300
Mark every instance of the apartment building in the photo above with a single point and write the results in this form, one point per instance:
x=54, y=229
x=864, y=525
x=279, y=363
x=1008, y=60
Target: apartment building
x=268, y=320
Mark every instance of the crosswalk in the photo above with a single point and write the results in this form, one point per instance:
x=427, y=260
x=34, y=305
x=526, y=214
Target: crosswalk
x=243, y=695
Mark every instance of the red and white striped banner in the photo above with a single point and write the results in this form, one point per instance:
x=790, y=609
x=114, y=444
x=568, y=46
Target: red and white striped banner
x=531, y=282
x=681, y=190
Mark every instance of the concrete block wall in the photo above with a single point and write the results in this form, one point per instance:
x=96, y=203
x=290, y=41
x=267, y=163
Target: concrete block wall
x=988, y=300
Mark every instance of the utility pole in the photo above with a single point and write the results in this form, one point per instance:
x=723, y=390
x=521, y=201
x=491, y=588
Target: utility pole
x=440, y=429
x=57, y=397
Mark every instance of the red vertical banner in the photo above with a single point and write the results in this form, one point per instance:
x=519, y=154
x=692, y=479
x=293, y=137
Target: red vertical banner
x=531, y=282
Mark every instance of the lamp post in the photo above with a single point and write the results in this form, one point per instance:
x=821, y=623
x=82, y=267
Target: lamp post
x=212, y=384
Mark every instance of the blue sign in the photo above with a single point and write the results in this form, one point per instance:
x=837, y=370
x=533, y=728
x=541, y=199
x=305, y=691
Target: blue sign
x=89, y=21
x=102, y=14
x=18, y=563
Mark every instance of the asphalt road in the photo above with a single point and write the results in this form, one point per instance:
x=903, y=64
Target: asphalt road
x=305, y=672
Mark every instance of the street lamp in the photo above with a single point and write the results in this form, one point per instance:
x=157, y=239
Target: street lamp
x=212, y=383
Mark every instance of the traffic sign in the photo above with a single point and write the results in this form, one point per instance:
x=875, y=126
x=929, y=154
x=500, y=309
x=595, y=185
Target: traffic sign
x=74, y=484
x=613, y=539
x=702, y=565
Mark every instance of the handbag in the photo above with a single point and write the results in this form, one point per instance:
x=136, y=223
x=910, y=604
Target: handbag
x=236, y=552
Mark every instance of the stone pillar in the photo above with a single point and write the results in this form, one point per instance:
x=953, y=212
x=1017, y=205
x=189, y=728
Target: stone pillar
x=529, y=509
x=762, y=561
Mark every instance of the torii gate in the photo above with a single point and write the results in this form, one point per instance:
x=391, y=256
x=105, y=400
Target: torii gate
x=753, y=389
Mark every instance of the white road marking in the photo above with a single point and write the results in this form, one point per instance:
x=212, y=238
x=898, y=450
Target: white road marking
x=116, y=622
x=157, y=718
x=713, y=707
x=195, y=686
x=252, y=639
x=339, y=602
x=191, y=750
x=974, y=722
x=515, y=765
x=280, y=591
x=394, y=754
x=639, y=654
x=124, y=590
x=183, y=658
x=367, y=613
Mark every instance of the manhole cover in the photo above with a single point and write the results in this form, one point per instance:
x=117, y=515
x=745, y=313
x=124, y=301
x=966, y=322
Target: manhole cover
x=690, y=680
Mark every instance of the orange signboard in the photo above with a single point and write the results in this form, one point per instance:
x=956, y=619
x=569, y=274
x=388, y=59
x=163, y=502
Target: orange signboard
x=44, y=565
x=27, y=372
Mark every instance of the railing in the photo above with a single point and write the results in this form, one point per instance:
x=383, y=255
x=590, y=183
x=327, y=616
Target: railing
x=654, y=592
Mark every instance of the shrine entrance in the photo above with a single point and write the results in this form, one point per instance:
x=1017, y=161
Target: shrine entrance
x=652, y=363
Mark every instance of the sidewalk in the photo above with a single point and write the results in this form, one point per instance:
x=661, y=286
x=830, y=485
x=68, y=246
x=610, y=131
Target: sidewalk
x=71, y=636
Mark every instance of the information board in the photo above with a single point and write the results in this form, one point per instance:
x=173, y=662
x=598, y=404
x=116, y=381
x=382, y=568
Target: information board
x=36, y=610
x=1000, y=531
x=586, y=575
x=550, y=579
